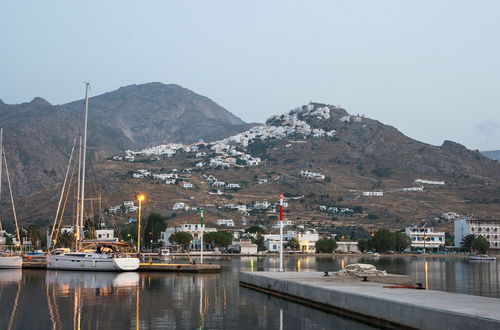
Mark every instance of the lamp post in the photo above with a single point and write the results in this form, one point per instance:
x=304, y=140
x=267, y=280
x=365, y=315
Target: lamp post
x=140, y=198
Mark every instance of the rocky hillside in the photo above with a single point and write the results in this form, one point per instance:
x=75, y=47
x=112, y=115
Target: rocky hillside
x=329, y=161
x=38, y=135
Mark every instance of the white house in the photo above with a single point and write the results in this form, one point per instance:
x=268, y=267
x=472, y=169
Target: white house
x=312, y=175
x=414, y=189
x=194, y=229
x=276, y=225
x=429, y=182
x=233, y=186
x=225, y=222
x=347, y=247
x=218, y=184
x=128, y=204
x=450, y=215
x=179, y=206
x=373, y=193
x=273, y=245
x=489, y=229
x=241, y=208
x=425, y=237
x=106, y=235
x=170, y=181
x=188, y=185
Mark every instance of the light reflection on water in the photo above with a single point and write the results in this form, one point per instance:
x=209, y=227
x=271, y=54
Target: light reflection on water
x=37, y=299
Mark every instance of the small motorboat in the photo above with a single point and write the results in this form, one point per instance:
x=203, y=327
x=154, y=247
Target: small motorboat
x=482, y=257
x=164, y=254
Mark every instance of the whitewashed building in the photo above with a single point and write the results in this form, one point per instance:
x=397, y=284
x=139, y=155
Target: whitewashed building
x=373, y=193
x=489, y=229
x=425, y=237
x=194, y=229
x=225, y=222
x=347, y=247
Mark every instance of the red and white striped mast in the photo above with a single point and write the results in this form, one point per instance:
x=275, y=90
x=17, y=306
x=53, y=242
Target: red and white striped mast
x=281, y=231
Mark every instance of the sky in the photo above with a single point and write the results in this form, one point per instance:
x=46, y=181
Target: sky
x=430, y=68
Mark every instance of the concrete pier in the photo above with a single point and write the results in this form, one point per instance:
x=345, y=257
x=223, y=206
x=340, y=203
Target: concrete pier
x=377, y=304
x=186, y=268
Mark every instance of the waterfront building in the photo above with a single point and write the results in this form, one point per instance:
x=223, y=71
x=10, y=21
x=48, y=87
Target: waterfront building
x=307, y=241
x=425, y=237
x=488, y=228
x=194, y=229
x=347, y=247
x=273, y=245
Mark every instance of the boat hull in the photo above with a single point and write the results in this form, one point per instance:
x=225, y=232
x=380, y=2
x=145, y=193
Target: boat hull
x=476, y=258
x=64, y=262
x=11, y=262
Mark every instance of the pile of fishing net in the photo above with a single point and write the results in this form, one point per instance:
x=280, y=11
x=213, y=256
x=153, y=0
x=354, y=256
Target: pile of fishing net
x=361, y=270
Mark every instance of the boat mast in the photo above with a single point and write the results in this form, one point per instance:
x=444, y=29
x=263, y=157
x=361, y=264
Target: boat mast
x=12, y=198
x=1, y=163
x=84, y=152
x=78, y=189
x=49, y=244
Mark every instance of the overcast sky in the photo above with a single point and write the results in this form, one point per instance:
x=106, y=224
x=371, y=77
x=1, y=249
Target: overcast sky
x=430, y=68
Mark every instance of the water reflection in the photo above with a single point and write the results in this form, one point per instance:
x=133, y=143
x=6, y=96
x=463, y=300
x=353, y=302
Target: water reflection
x=37, y=299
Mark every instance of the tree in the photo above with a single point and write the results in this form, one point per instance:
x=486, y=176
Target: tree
x=363, y=245
x=65, y=239
x=89, y=229
x=401, y=241
x=480, y=244
x=259, y=240
x=155, y=224
x=293, y=244
x=218, y=238
x=35, y=235
x=326, y=245
x=255, y=229
x=383, y=240
x=182, y=238
x=466, y=243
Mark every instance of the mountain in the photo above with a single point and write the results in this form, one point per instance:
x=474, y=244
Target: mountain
x=494, y=154
x=323, y=157
x=38, y=135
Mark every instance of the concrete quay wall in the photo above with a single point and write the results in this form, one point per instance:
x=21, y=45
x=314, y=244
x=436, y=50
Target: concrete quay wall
x=371, y=302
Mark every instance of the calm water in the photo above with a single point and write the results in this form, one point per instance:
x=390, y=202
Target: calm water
x=37, y=299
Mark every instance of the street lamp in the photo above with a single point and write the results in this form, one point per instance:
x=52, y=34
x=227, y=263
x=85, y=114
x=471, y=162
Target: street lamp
x=140, y=198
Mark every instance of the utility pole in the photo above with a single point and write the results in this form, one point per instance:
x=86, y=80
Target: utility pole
x=201, y=235
x=281, y=232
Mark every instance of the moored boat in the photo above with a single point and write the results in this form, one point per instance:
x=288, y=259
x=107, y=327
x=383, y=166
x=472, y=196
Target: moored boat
x=482, y=257
x=9, y=261
x=96, y=256
x=87, y=255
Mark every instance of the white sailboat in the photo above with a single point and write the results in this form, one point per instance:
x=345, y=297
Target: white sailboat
x=8, y=259
x=93, y=256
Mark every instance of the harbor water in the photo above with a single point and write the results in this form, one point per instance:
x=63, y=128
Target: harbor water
x=39, y=299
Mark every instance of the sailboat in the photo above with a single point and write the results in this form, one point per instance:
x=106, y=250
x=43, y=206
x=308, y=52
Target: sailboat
x=95, y=255
x=8, y=259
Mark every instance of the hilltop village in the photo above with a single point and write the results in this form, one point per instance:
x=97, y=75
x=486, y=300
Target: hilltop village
x=237, y=181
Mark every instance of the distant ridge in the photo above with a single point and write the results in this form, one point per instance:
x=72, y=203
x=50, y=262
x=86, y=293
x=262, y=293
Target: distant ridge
x=38, y=135
x=493, y=154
